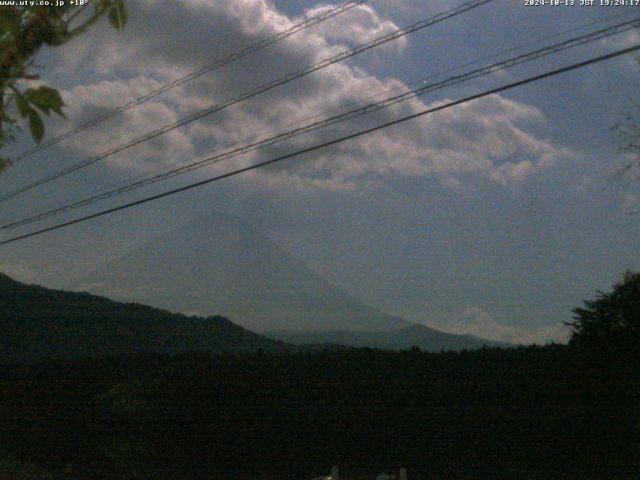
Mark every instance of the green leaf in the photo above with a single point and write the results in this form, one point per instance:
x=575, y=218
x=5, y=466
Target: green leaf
x=45, y=99
x=23, y=105
x=36, y=126
x=118, y=14
x=9, y=22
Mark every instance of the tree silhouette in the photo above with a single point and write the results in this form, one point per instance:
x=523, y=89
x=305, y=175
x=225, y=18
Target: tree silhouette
x=24, y=28
x=628, y=132
x=611, y=320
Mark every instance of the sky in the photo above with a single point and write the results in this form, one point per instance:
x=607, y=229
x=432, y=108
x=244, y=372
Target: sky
x=495, y=217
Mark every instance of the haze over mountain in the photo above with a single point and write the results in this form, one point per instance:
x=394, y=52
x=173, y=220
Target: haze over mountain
x=38, y=323
x=221, y=265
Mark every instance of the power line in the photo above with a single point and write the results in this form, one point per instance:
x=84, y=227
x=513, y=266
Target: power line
x=363, y=110
x=270, y=86
x=251, y=49
x=313, y=148
x=422, y=81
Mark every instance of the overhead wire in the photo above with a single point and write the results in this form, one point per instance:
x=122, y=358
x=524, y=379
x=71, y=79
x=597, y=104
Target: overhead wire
x=467, y=6
x=415, y=83
x=336, y=141
x=366, y=109
x=221, y=62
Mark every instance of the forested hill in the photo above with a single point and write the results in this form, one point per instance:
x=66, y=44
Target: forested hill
x=38, y=323
x=534, y=413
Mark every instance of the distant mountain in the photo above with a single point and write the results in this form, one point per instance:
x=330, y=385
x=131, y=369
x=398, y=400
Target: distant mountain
x=420, y=336
x=38, y=323
x=219, y=264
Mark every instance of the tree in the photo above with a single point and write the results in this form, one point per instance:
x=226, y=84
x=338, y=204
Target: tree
x=24, y=29
x=629, y=134
x=612, y=320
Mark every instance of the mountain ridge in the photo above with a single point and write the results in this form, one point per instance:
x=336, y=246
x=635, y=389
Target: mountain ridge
x=41, y=323
x=420, y=336
x=38, y=323
x=220, y=263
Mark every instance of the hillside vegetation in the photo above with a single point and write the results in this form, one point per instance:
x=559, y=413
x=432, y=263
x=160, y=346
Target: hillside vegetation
x=38, y=323
x=255, y=410
x=540, y=412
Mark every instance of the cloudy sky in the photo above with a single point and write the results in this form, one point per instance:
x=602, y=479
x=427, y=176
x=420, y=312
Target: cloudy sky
x=495, y=217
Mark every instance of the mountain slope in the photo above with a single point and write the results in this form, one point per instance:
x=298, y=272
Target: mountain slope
x=37, y=323
x=220, y=264
x=425, y=338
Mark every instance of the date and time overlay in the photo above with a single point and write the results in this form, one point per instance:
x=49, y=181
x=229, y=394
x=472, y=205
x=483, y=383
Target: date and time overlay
x=581, y=3
x=526, y=3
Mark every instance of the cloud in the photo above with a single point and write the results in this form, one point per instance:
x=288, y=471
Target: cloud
x=86, y=102
x=484, y=136
x=489, y=136
x=359, y=25
x=476, y=321
x=505, y=141
x=626, y=40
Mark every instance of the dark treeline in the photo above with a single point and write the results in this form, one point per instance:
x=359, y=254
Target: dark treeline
x=535, y=412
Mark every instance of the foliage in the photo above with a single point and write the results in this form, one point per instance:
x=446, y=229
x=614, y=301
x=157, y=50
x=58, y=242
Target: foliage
x=612, y=320
x=628, y=133
x=82, y=404
x=37, y=322
x=531, y=413
x=24, y=29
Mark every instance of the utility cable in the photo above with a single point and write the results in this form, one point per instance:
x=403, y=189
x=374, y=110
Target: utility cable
x=265, y=88
x=370, y=108
x=251, y=49
x=316, y=147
